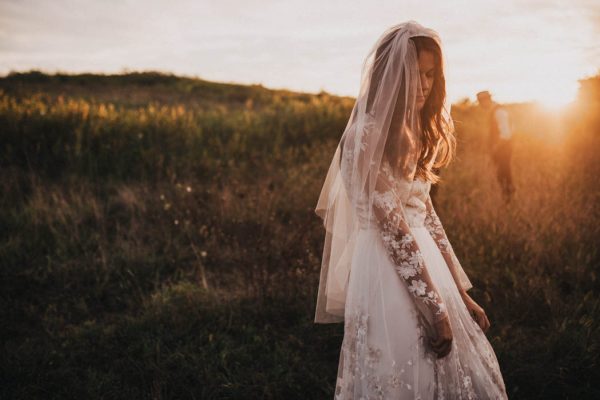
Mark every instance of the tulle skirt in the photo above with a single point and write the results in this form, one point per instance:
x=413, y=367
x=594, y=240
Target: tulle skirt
x=384, y=353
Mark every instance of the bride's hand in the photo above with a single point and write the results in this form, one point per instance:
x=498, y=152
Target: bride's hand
x=476, y=312
x=442, y=343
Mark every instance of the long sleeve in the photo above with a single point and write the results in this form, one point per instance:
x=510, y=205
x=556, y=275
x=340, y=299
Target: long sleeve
x=437, y=232
x=404, y=251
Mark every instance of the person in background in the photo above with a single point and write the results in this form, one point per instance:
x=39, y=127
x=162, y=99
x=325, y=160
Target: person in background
x=500, y=142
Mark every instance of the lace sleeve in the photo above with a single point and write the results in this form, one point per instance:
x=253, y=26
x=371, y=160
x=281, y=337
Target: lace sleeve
x=404, y=250
x=437, y=232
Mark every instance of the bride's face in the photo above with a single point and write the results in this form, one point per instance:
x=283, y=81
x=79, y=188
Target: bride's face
x=427, y=74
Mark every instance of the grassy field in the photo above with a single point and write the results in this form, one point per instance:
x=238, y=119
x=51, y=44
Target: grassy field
x=159, y=241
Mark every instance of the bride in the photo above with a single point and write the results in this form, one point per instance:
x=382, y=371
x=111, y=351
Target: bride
x=388, y=271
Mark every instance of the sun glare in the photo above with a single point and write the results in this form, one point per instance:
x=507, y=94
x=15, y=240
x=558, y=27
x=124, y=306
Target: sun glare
x=552, y=104
x=556, y=100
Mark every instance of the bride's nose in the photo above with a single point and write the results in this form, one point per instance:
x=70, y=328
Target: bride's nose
x=424, y=84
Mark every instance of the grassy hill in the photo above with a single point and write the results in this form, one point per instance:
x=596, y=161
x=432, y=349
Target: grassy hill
x=158, y=239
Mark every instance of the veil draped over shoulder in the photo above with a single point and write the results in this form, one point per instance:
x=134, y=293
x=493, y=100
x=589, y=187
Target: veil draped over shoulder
x=384, y=114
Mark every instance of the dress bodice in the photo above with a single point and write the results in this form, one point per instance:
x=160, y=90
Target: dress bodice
x=412, y=194
x=415, y=204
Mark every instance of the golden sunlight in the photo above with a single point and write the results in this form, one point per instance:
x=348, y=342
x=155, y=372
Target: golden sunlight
x=185, y=182
x=557, y=100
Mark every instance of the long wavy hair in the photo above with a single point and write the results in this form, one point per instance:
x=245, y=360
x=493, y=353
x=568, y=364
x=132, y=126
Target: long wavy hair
x=434, y=127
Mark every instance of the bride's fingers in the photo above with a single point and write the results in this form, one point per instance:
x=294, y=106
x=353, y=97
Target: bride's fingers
x=440, y=345
x=487, y=322
x=439, y=341
x=444, y=349
x=437, y=347
x=480, y=321
x=475, y=315
x=435, y=344
x=444, y=352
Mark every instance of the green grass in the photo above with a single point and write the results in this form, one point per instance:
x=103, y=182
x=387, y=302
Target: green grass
x=159, y=241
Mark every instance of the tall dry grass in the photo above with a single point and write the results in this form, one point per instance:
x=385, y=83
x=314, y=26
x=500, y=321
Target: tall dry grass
x=166, y=246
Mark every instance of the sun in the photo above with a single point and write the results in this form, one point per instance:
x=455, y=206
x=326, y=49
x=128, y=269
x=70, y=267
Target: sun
x=557, y=98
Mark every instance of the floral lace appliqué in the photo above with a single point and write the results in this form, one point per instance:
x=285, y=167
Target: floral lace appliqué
x=409, y=265
x=364, y=369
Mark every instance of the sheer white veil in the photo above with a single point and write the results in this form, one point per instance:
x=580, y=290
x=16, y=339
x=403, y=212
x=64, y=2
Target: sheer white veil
x=385, y=114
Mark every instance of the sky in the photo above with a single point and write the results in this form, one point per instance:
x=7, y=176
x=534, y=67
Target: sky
x=519, y=50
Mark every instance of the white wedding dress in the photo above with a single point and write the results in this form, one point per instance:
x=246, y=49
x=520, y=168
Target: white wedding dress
x=384, y=354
